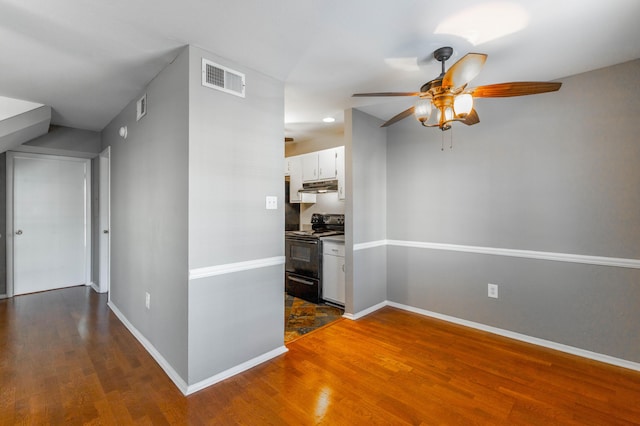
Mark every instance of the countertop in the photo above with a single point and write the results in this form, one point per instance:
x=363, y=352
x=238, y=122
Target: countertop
x=334, y=238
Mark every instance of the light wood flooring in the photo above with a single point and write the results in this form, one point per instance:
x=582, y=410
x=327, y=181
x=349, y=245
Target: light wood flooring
x=66, y=359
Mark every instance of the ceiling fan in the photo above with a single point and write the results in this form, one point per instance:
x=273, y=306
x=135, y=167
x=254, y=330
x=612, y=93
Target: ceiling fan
x=449, y=96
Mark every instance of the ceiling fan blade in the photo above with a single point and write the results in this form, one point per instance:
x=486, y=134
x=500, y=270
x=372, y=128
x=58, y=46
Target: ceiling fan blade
x=404, y=114
x=465, y=70
x=521, y=88
x=471, y=118
x=288, y=139
x=387, y=94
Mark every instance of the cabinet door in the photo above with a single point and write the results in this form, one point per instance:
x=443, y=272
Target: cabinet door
x=295, y=179
x=287, y=167
x=330, y=279
x=327, y=164
x=342, y=293
x=340, y=172
x=333, y=276
x=310, y=167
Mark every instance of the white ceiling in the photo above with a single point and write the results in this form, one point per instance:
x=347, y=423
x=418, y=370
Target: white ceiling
x=88, y=58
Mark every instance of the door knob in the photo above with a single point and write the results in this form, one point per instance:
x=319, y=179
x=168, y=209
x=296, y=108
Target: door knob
x=19, y=232
x=106, y=231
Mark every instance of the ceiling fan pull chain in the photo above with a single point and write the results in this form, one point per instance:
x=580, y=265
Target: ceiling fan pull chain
x=451, y=140
x=442, y=146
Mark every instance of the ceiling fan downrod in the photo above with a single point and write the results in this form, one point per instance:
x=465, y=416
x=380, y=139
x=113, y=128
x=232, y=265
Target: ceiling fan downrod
x=441, y=55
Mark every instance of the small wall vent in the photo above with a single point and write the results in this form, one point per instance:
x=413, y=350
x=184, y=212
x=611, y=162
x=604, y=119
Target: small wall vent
x=141, y=107
x=222, y=78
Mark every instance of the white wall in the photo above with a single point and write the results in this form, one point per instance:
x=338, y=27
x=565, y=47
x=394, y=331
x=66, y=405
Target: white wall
x=325, y=203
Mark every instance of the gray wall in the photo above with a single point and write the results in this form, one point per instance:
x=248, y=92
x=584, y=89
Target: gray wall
x=556, y=173
x=366, y=213
x=188, y=190
x=65, y=141
x=233, y=163
x=149, y=201
x=3, y=224
x=235, y=160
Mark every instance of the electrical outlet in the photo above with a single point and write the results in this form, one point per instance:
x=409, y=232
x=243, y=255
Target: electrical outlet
x=493, y=291
x=147, y=300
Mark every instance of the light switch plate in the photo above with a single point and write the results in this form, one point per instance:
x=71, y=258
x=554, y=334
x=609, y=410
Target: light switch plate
x=272, y=202
x=492, y=291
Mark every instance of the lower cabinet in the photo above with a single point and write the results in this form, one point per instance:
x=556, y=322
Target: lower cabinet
x=333, y=277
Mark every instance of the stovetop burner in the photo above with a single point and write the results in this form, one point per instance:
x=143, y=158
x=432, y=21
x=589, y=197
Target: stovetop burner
x=323, y=225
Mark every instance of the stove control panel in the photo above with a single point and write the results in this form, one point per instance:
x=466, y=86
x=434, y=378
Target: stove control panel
x=327, y=219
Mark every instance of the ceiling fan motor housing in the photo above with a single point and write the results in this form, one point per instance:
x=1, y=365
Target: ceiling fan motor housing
x=442, y=54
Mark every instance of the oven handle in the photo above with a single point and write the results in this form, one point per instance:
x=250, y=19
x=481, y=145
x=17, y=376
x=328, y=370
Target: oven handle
x=302, y=240
x=301, y=281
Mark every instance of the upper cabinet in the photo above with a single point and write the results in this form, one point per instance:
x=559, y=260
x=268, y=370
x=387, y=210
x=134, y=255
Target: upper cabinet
x=287, y=165
x=340, y=172
x=310, y=167
x=327, y=164
x=294, y=167
x=320, y=165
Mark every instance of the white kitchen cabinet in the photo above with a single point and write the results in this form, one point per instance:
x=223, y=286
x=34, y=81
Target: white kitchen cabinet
x=295, y=182
x=340, y=172
x=319, y=165
x=309, y=167
x=287, y=166
x=327, y=164
x=333, y=276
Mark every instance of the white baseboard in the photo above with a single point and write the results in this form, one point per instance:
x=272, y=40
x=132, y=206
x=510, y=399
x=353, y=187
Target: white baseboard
x=235, y=370
x=367, y=311
x=94, y=286
x=505, y=333
x=173, y=375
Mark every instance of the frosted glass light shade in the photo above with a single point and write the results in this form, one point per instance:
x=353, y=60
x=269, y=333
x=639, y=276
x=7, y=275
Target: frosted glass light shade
x=463, y=104
x=422, y=110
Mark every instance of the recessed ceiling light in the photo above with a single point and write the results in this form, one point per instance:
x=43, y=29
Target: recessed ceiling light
x=328, y=119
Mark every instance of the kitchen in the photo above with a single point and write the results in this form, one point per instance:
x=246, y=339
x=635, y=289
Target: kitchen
x=314, y=240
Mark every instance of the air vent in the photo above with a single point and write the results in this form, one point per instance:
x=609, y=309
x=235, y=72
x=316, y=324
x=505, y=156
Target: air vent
x=222, y=78
x=141, y=107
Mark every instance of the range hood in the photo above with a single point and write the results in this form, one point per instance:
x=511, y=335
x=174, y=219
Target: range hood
x=319, y=187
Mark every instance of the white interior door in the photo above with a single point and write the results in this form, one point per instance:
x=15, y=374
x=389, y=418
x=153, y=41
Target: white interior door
x=51, y=222
x=104, y=222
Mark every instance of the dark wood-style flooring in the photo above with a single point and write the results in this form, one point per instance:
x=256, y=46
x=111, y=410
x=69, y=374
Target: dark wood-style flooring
x=66, y=359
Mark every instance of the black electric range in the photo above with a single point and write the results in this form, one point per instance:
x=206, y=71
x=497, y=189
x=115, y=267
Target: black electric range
x=303, y=252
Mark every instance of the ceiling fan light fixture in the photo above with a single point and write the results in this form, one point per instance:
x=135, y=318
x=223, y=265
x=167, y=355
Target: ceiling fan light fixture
x=463, y=104
x=447, y=113
x=422, y=110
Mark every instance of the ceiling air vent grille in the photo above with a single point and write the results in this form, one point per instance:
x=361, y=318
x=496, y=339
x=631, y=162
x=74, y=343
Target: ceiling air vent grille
x=222, y=78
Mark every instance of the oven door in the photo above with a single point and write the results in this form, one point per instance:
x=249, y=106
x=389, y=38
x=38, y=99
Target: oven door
x=303, y=287
x=303, y=256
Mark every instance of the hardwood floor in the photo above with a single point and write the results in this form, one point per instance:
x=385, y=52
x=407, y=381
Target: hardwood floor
x=65, y=359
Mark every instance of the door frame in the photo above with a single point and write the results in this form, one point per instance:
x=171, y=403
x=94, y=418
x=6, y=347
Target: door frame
x=104, y=178
x=11, y=156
